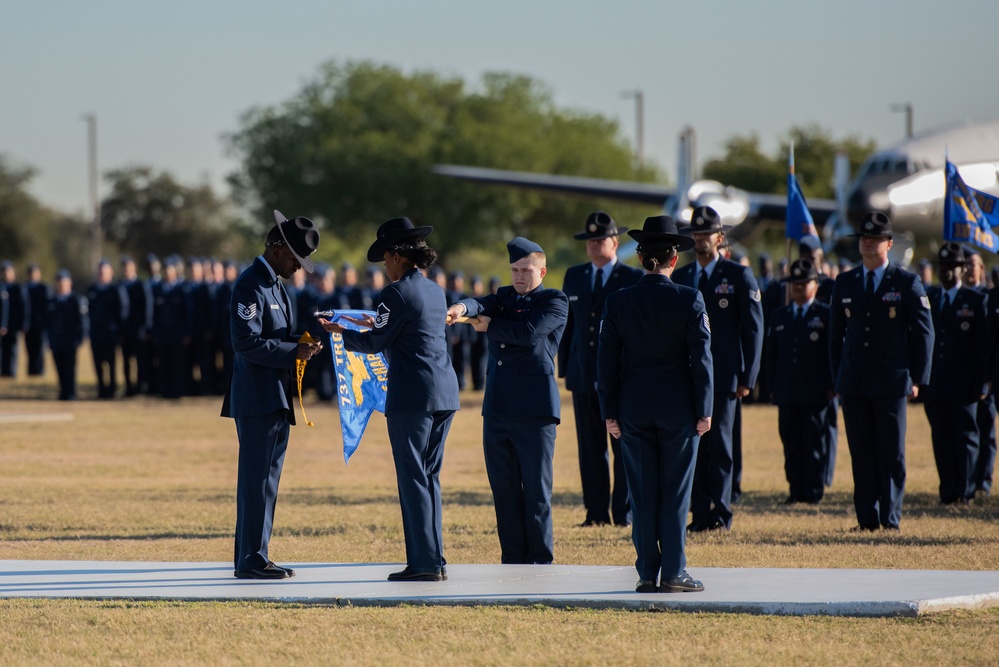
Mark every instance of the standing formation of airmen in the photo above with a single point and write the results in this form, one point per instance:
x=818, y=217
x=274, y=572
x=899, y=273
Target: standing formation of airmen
x=872, y=339
x=171, y=329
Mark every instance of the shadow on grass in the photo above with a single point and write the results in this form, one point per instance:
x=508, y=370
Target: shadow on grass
x=848, y=538
x=915, y=505
x=465, y=497
x=77, y=537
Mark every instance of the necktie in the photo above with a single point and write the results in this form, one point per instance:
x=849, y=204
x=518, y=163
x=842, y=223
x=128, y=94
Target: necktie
x=946, y=302
x=598, y=283
x=799, y=314
x=869, y=291
x=702, y=282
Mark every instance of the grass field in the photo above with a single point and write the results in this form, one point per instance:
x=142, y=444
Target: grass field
x=145, y=479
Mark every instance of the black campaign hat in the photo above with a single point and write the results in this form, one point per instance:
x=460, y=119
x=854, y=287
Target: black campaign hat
x=802, y=270
x=875, y=225
x=391, y=232
x=300, y=235
x=704, y=220
x=599, y=225
x=952, y=254
x=662, y=230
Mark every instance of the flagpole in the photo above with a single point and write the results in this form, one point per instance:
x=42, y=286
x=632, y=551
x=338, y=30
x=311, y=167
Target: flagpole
x=787, y=285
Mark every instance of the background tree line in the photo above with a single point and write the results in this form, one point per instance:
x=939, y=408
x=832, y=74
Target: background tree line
x=354, y=147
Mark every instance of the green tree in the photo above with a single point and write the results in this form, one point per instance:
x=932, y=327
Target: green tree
x=25, y=225
x=149, y=211
x=356, y=146
x=814, y=157
x=746, y=166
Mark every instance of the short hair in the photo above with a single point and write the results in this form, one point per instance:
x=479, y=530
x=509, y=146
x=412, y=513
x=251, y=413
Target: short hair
x=537, y=258
x=274, y=237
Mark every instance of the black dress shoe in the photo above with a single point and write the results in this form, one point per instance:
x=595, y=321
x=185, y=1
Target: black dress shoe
x=646, y=586
x=864, y=529
x=409, y=574
x=696, y=528
x=718, y=524
x=593, y=522
x=681, y=584
x=268, y=571
x=443, y=572
x=291, y=572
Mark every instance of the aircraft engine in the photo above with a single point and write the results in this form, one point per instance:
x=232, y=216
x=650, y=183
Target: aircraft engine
x=731, y=203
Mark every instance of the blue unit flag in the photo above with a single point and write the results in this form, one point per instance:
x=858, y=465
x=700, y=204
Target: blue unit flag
x=361, y=384
x=798, y=220
x=964, y=219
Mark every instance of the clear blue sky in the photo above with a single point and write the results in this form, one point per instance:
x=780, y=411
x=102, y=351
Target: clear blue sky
x=167, y=79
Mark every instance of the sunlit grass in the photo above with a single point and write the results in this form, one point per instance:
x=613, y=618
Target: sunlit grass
x=144, y=479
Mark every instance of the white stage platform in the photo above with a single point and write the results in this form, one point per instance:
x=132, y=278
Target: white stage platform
x=795, y=592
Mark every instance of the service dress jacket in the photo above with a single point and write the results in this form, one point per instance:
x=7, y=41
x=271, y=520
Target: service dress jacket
x=265, y=349
x=733, y=303
x=798, y=356
x=960, y=370
x=654, y=356
x=409, y=328
x=577, y=352
x=524, y=335
x=880, y=349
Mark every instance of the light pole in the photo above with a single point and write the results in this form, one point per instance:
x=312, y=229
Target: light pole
x=907, y=108
x=95, y=202
x=639, y=122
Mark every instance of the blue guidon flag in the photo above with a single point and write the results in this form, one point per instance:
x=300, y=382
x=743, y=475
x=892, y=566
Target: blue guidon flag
x=799, y=221
x=964, y=218
x=361, y=384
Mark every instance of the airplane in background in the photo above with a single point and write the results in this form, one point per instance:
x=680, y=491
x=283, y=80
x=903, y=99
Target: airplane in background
x=905, y=181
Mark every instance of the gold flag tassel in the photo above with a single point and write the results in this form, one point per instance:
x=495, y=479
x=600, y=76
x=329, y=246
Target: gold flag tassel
x=300, y=372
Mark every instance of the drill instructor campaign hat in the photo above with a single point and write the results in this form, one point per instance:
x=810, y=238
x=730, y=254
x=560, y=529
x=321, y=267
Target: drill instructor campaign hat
x=300, y=235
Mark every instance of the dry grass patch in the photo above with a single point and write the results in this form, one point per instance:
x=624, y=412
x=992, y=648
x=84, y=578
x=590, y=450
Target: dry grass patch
x=145, y=479
x=74, y=632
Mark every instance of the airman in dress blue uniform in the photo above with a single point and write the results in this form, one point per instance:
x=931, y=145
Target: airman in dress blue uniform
x=16, y=304
x=880, y=346
x=136, y=327
x=521, y=405
x=108, y=304
x=259, y=396
x=587, y=286
x=478, y=354
x=66, y=325
x=799, y=377
x=422, y=392
x=986, y=455
x=974, y=278
x=172, y=315
x=732, y=299
x=38, y=294
x=810, y=248
x=655, y=388
x=959, y=377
